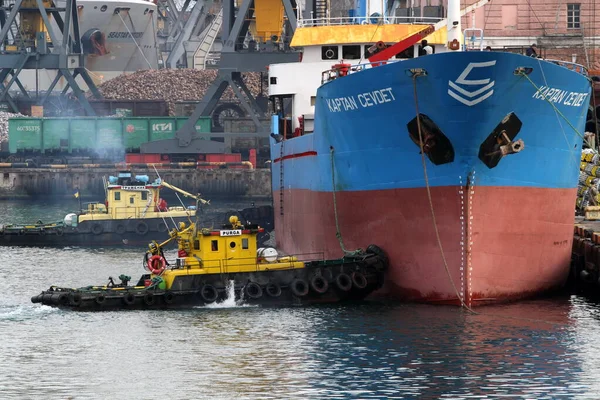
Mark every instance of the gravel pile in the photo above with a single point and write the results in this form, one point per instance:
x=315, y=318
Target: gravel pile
x=171, y=85
x=4, y=116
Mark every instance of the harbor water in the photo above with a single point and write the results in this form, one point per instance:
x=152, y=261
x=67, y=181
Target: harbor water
x=538, y=349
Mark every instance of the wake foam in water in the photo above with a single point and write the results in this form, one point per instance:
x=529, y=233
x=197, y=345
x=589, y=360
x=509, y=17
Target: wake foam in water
x=23, y=313
x=230, y=301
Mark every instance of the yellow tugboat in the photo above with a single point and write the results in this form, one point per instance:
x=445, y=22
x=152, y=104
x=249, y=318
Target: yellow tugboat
x=133, y=210
x=211, y=260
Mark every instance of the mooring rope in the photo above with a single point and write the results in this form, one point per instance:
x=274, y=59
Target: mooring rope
x=416, y=74
x=338, y=232
x=556, y=110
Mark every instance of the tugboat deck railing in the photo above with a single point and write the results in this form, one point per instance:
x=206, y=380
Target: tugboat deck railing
x=222, y=266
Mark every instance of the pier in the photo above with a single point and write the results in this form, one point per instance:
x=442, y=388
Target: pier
x=56, y=183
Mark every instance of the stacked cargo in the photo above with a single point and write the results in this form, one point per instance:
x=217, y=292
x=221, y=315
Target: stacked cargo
x=588, y=189
x=173, y=85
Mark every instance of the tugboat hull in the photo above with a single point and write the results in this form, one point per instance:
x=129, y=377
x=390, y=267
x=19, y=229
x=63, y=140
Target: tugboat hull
x=347, y=279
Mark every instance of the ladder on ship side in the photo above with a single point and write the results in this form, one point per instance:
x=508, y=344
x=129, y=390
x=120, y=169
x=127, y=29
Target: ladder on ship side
x=201, y=53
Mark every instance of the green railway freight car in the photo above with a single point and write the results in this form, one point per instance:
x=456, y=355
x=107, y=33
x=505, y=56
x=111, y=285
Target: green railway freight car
x=84, y=135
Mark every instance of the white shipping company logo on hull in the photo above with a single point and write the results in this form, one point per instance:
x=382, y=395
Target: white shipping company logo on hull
x=469, y=98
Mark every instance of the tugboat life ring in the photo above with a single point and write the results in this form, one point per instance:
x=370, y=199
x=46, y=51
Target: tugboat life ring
x=157, y=264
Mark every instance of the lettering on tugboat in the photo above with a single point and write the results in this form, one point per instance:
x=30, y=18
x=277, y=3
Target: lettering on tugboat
x=231, y=232
x=362, y=100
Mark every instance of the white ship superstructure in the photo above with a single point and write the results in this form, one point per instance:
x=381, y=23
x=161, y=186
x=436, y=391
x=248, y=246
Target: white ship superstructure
x=117, y=36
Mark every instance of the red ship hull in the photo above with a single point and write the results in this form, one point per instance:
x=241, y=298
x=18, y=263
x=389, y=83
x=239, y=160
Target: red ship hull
x=495, y=243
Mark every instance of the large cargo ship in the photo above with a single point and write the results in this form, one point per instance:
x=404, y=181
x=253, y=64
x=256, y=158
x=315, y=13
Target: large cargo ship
x=462, y=165
x=117, y=36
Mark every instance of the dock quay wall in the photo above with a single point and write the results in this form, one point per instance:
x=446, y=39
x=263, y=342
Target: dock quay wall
x=56, y=183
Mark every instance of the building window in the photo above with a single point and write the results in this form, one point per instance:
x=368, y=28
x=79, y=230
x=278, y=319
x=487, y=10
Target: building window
x=313, y=100
x=573, y=16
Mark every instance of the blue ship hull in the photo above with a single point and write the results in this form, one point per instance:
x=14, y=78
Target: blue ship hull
x=485, y=213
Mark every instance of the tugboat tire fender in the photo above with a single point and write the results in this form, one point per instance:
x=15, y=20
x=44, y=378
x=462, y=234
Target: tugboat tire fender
x=273, y=289
x=359, y=280
x=129, y=299
x=100, y=299
x=209, y=293
x=343, y=282
x=378, y=251
x=299, y=287
x=162, y=227
x=149, y=299
x=253, y=290
x=319, y=284
x=141, y=228
x=36, y=299
x=75, y=299
x=157, y=264
x=120, y=229
x=61, y=299
x=97, y=229
x=169, y=297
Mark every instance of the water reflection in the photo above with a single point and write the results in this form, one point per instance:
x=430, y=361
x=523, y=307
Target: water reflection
x=372, y=350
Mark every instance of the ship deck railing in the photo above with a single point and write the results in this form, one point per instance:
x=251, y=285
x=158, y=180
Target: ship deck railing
x=387, y=20
x=334, y=73
x=569, y=65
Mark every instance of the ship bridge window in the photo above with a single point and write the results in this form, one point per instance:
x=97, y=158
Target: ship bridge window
x=144, y=195
x=351, y=52
x=117, y=196
x=232, y=245
x=408, y=53
x=214, y=245
x=245, y=244
x=273, y=80
x=131, y=199
x=329, y=53
x=103, y=8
